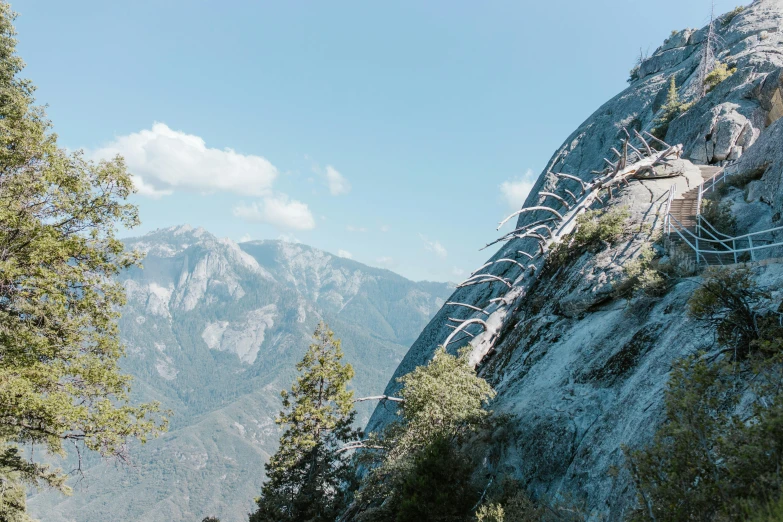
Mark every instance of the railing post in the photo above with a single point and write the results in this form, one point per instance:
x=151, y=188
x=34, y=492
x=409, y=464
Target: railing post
x=734, y=249
x=750, y=244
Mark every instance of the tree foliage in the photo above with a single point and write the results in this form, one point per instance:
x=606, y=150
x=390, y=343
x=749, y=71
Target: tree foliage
x=728, y=302
x=507, y=501
x=445, y=402
x=307, y=475
x=717, y=75
x=437, y=487
x=731, y=15
x=673, y=107
x=595, y=229
x=718, y=453
x=59, y=346
x=711, y=459
x=719, y=215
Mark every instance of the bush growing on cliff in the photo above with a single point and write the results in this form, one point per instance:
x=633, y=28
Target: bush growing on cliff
x=645, y=275
x=718, y=452
x=508, y=502
x=731, y=15
x=719, y=215
x=710, y=459
x=594, y=229
x=437, y=486
x=720, y=73
x=514, y=508
x=728, y=302
x=634, y=74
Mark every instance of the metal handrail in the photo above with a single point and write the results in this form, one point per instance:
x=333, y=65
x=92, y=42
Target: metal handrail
x=733, y=238
x=709, y=186
x=677, y=231
x=681, y=230
x=716, y=231
x=667, y=222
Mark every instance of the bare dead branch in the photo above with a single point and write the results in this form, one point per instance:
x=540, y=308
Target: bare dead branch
x=379, y=398
x=505, y=260
x=454, y=328
x=530, y=209
x=573, y=178
x=461, y=327
x=644, y=142
x=358, y=445
x=476, y=308
x=666, y=145
x=488, y=278
x=555, y=196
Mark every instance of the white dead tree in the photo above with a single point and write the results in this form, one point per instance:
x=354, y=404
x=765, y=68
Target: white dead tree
x=708, y=60
x=631, y=162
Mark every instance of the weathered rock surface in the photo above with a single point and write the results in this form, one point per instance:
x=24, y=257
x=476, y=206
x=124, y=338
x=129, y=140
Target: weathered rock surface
x=580, y=367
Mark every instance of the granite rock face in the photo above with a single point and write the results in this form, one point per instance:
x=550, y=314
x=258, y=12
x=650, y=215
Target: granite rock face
x=580, y=366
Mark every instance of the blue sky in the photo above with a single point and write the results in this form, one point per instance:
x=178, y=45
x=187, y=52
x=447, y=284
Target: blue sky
x=398, y=133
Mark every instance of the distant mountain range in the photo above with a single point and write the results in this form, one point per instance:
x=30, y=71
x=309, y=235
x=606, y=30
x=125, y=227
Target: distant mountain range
x=213, y=330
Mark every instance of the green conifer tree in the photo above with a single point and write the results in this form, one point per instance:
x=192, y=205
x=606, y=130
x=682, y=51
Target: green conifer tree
x=307, y=475
x=671, y=109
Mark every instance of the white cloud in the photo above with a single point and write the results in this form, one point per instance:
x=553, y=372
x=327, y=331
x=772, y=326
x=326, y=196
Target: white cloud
x=386, y=262
x=457, y=272
x=337, y=182
x=277, y=210
x=288, y=238
x=245, y=238
x=345, y=254
x=385, y=228
x=163, y=160
x=145, y=189
x=515, y=191
x=435, y=247
x=351, y=228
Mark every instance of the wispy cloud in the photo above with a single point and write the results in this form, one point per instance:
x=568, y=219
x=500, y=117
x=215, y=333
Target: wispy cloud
x=351, y=228
x=163, y=160
x=288, y=238
x=345, y=254
x=337, y=182
x=279, y=211
x=515, y=191
x=386, y=262
x=434, y=247
x=385, y=228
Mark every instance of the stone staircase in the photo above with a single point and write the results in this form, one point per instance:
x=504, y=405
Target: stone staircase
x=684, y=209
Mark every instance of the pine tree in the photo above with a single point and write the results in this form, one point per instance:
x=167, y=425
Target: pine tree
x=307, y=475
x=671, y=109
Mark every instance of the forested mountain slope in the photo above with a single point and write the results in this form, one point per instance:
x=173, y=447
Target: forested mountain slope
x=213, y=330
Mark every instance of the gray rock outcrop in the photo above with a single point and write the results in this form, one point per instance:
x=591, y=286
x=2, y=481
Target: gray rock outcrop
x=580, y=367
